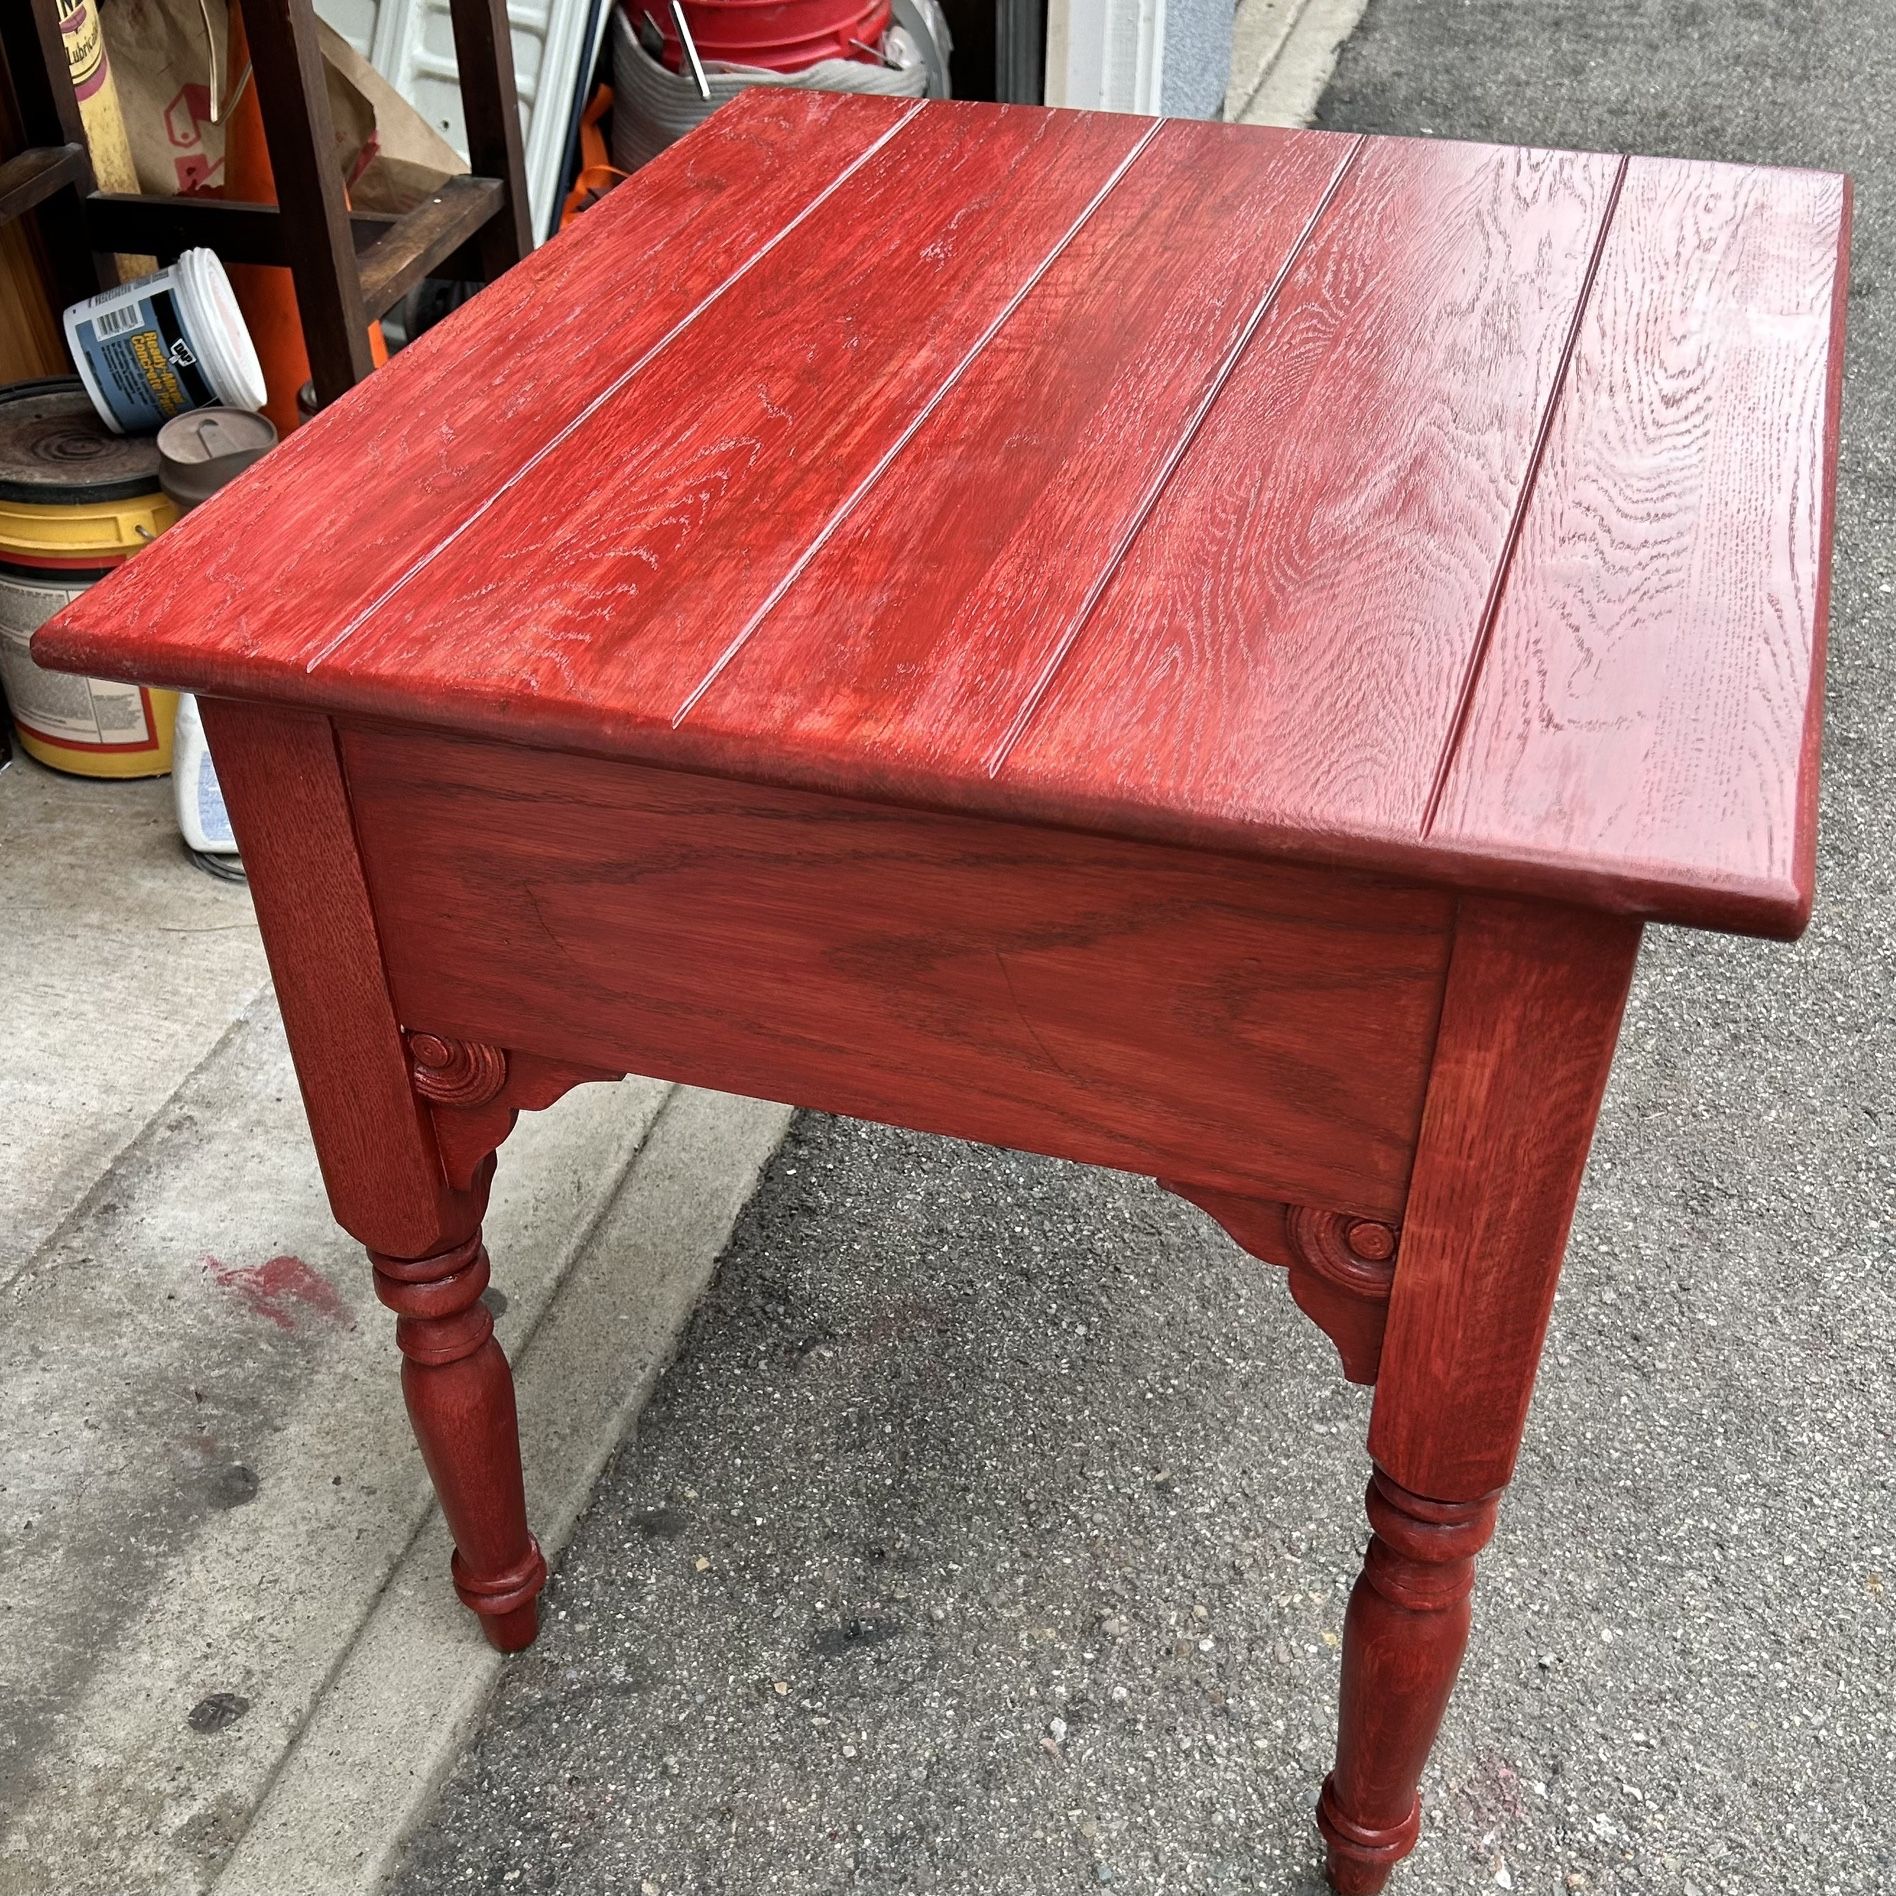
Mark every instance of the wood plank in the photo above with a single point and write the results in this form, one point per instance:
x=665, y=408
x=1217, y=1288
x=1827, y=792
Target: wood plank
x=30, y=177
x=1651, y=702
x=1528, y=1027
x=490, y=120
x=1242, y=1026
x=618, y=569
x=238, y=232
x=423, y=239
x=373, y=1135
x=336, y=514
x=278, y=38
x=1335, y=618
x=911, y=638
x=1285, y=644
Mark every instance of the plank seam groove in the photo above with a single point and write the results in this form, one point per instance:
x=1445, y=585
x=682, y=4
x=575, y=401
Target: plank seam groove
x=671, y=335
x=1155, y=488
x=1497, y=587
x=851, y=501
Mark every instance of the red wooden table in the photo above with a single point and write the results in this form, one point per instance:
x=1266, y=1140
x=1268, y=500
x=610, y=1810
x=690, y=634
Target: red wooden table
x=1188, y=648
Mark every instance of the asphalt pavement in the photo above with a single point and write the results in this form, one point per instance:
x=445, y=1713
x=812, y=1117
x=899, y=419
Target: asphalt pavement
x=993, y=1530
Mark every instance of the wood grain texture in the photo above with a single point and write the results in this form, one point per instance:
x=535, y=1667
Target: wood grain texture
x=713, y=471
x=915, y=634
x=1403, y=1639
x=283, y=782
x=460, y=1398
x=277, y=40
x=1234, y=1026
x=1287, y=639
x=340, y=511
x=1491, y=552
x=490, y=120
x=417, y=244
x=1528, y=1026
x=1652, y=697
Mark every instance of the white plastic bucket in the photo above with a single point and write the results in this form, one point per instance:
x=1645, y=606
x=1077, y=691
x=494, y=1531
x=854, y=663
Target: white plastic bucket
x=164, y=344
x=652, y=106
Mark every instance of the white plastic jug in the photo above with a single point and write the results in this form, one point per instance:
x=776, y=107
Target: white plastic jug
x=202, y=818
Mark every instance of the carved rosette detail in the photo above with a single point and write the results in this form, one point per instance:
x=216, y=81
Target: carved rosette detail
x=1354, y=1254
x=1342, y=1270
x=455, y=1072
x=1342, y=1267
x=476, y=1092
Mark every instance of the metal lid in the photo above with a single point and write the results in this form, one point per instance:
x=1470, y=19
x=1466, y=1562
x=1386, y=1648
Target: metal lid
x=207, y=448
x=56, y=452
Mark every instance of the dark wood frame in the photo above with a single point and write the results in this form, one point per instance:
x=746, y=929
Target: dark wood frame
x=348, y=268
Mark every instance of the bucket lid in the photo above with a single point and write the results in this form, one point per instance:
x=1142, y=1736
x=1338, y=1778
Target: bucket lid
x=56, y=452
x=206, y=448
x=217, y=329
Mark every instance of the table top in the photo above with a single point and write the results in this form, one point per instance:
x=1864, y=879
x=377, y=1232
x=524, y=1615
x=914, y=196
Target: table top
x=1449, y=510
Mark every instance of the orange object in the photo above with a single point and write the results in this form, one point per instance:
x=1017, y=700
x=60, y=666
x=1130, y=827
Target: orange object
x=266, y=292
x=597, y=174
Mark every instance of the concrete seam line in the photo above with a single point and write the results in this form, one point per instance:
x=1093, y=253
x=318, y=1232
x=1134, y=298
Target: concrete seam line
x=129, y=1149
x=1291, y=84
x=395, y=1711
x=574, y=1247
x=1255, y=32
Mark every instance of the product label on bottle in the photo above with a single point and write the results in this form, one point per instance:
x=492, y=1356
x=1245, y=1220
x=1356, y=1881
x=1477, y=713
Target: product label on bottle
x=213, y=818
x=85, y=47
x=89, y=713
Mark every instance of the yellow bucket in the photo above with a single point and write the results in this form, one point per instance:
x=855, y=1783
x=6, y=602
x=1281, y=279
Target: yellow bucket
x=76, y=500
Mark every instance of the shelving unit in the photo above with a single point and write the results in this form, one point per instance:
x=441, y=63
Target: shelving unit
x=348, y=267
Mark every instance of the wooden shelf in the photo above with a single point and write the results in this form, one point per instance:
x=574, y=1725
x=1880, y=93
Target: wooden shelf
x=27, y=181
x=417, y=244
x=350, y=267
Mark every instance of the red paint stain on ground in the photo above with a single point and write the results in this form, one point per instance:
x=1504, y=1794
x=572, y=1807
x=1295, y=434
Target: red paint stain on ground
x=281, y=1289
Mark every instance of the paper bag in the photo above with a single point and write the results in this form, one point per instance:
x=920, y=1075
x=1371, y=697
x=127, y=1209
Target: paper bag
x=389, y=156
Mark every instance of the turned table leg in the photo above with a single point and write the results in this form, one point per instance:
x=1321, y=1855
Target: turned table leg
x=1402, y=1646
x=460, y=1398
x=1529, y=1022
x=374, y=1105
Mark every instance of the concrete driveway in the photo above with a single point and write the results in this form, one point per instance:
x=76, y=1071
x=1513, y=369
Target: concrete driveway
x=993, y=1531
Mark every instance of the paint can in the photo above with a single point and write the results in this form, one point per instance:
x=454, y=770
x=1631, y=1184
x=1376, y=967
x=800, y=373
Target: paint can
x=164, y=344
x=75, y=501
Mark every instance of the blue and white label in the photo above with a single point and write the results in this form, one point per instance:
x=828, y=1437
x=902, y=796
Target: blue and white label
x=133, y=350
x=213, y=818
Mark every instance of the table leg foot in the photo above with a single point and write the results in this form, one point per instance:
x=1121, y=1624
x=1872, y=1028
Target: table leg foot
x=1358, y=1859
x=515, y=1631
x=1402, y=1646
x=460, y=1398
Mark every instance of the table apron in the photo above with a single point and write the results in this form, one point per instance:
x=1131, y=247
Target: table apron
x=1255, y=1027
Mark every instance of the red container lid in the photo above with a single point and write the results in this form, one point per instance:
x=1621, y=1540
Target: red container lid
x=778, y=35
